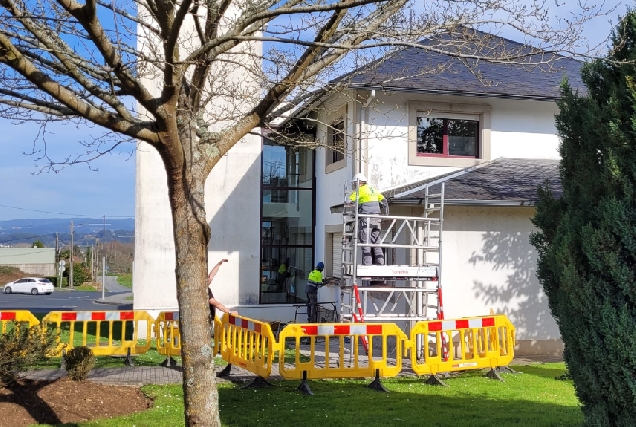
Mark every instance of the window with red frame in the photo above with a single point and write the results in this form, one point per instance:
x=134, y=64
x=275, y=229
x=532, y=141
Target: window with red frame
x=455, y=136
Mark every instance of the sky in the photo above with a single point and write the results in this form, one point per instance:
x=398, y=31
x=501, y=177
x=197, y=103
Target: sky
x=107, y=187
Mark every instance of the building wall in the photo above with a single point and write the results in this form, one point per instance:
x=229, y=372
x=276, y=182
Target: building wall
x=232, y=195
x=519, y=129
x=488, y=263
x=44, y=270
x=33, y=261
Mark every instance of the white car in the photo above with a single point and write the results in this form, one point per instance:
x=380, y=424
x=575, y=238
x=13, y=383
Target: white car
x=29, y=285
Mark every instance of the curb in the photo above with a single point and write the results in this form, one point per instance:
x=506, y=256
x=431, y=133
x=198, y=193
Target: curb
x=106, y=302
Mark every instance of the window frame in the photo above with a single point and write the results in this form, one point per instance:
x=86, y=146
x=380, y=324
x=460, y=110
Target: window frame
x=311, y=247
x=450, y=111
x=333, y=120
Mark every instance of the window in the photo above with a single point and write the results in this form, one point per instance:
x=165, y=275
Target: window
x=336, y=142
x=447, y=136
x=287, y=223
x=442, y=134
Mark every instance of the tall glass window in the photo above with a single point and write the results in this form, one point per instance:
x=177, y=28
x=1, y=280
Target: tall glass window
x=287, y=222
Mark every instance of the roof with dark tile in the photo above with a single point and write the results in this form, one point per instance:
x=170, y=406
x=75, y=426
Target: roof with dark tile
x=498, y=182
x=429, y=70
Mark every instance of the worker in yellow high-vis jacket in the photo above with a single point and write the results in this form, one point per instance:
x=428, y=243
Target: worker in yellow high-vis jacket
x=314, y=281
x=370, y=201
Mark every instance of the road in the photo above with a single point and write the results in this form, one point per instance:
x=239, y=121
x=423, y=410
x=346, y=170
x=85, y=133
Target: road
x=63, y=300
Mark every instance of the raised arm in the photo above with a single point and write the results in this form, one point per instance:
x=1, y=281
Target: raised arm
x=215, y=270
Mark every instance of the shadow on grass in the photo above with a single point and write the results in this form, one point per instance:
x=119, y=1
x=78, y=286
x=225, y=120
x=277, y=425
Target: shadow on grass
x=345, y=404
x=541, y=371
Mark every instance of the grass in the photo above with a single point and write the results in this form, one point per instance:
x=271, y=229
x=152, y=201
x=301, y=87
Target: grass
x=533, y=398
x=85, y=288
x=150, y=358
x=125, y=280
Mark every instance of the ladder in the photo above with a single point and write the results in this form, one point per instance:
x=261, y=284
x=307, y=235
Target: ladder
x=408, y=288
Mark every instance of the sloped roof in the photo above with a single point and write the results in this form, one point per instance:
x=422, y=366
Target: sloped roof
x=533, y=76
x=498, y=182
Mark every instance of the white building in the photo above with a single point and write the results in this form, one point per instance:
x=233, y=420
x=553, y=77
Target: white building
x=492, y=143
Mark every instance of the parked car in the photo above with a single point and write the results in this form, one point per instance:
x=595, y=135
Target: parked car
x=29, y=285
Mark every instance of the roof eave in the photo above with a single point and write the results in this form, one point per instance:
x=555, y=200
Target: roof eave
x=455, y=92
x=336, y=209
x=468, y=202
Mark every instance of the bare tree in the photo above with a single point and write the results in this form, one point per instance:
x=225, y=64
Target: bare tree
x=192, y=77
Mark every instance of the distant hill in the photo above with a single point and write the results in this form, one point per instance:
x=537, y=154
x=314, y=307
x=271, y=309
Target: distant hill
x=86, y=231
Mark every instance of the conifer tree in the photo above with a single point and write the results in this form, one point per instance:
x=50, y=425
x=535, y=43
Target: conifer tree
x=587, y=238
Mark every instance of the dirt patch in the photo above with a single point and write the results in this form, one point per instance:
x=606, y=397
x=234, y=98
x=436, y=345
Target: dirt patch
x=64, y=401
x=10, y=274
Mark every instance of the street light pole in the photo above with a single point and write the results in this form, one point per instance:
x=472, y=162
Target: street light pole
x=103, y=276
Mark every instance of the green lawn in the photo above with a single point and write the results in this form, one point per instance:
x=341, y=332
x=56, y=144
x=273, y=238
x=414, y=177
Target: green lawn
x=533, y=398
x=125, y=280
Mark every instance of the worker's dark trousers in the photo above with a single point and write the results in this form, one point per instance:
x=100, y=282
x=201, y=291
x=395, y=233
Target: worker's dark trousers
x=312, y=304
x=368, y=253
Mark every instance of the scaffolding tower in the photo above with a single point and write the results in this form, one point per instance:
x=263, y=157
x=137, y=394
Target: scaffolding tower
x=408, y=288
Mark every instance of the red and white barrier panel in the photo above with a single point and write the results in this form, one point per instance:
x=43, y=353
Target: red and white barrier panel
x=453, y=325
x=173, y=315
x=7, y=315
x=244, y=323
x=342, y=329
x=97, y=315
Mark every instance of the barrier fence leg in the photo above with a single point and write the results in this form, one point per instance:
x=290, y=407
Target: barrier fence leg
x=304, y=386
x=128, y=361
x=494, y=372
x=169, y=362
x=225, y=372
x=435, y=380
x=258, y=382
x=376, y=384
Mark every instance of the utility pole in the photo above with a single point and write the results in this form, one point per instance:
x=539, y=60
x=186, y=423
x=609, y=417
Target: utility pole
x=70, y=272
x=57, y=254
x=104, y=254
x=92, y=271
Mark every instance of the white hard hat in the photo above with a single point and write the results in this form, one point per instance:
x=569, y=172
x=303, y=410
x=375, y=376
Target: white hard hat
x=359, y=177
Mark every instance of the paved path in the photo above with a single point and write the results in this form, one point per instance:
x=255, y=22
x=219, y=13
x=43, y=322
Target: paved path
x=112, y=285
x=140, y=375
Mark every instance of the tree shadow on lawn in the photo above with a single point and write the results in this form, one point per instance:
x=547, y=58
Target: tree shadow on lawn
x=541, y=371
x=336, y=403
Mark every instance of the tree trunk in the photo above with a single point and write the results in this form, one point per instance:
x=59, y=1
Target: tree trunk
x=191, y=236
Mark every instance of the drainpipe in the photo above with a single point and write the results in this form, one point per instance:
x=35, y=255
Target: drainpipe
x=364, y=114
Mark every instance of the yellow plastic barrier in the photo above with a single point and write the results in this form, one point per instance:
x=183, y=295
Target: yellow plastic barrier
x=475, y=343
x=17, y=316
x=167, y=334
x=335, y=361
x=218, y=326
x=247, y=343
x=115, y=332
